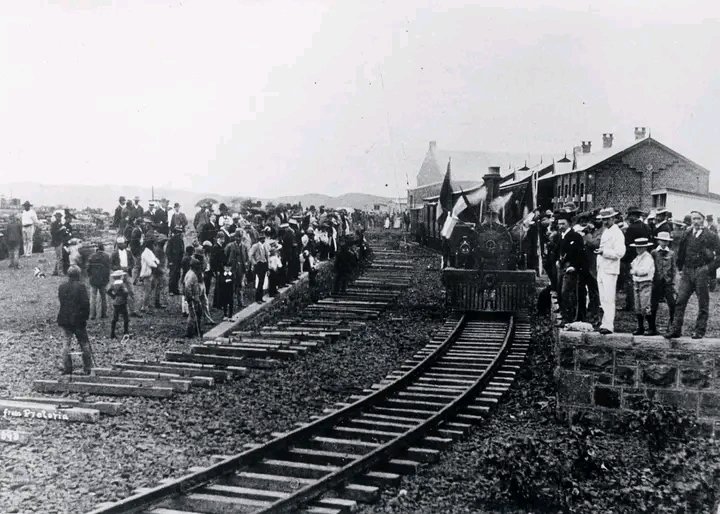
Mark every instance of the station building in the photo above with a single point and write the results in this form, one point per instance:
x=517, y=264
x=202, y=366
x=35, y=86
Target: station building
x=642, y=172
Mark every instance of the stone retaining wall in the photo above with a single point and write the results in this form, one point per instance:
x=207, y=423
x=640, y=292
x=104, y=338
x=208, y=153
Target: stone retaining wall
x=607, y=375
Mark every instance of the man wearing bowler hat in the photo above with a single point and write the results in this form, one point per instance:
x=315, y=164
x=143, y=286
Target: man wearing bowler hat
x=611, y=250
x=697, y=259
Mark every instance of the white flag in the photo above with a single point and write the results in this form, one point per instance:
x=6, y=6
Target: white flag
x=438, y=211
x=459, y=206
x=448, y=226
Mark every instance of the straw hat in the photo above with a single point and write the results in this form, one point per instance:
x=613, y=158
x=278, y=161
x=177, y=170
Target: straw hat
x=606, y=213
x=664, y=236
x=641, y=242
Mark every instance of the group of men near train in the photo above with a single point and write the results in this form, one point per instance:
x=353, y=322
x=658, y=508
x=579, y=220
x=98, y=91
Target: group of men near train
x=591, y=256
x=228, y=254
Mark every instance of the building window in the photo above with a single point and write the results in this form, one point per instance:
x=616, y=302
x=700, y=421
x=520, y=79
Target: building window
x=566, y=190
x=574, y=189
x=559, y=190
x=582, y=189
x=659, y=200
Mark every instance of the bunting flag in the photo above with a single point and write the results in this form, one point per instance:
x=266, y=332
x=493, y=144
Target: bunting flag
x=448, y=226
x=461, y=204
x=446, y=194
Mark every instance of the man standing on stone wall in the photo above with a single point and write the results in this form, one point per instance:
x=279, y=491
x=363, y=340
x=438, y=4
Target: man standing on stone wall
x=697, y=259
x=612, y=249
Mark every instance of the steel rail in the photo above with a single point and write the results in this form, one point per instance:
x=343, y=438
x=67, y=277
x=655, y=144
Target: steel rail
x=403, y=441
x=183, y=485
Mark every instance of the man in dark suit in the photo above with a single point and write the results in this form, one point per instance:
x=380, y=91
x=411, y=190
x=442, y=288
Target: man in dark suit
x=73, y=315
x=118, y=212
x=160, y=217
x=571, y=263
x=698, y=258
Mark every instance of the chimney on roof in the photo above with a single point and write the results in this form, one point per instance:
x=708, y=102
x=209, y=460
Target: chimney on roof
x=586, y=146
x=608, y=140
x=639, y=133
x=433, y=144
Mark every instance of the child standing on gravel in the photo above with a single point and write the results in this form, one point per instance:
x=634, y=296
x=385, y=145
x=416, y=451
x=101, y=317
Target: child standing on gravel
x=119, y=294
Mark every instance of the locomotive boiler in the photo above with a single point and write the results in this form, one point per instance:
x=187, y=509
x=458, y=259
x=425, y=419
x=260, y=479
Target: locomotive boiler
x=484, y=258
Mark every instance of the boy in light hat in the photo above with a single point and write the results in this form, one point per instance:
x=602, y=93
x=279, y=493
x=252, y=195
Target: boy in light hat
x=663, y=281
x=642, y=270
x=119, y=293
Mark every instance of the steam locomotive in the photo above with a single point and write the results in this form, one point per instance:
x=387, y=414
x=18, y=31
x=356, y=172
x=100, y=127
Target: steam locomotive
x=485, y=258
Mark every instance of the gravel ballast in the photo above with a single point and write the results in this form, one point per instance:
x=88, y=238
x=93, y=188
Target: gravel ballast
x=71, y=467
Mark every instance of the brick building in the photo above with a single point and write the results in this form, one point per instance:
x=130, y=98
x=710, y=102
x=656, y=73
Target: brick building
x=643, y=173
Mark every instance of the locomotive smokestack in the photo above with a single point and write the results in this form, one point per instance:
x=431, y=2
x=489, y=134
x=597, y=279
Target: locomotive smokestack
x=492, y=184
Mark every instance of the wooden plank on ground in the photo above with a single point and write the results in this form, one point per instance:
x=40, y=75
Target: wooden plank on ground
x=13, y=409
x=218, y=375
x=108, y=408
x=53, y=386
x=220, y=360
x=196, y=381
x=181, y=386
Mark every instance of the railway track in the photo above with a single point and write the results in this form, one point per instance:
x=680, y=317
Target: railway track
x=221, y=359
x=343, y=457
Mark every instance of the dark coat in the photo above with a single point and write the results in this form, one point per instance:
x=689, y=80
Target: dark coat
x=74, y=305
x=160, y=220
x=700, y=251
x=572, y=251
x=178, y=220
x=136, y=246
x=217, y=258
x=115, y=260
x=175, y=250
x=13, y=235
x=99, y=269
x=118, y=215
x=634, y=230
x=57, y=233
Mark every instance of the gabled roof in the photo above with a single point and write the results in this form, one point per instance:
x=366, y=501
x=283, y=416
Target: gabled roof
x=586, y=161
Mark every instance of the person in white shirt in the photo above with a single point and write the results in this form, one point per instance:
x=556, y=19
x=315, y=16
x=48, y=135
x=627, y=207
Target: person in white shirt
x=611, y=250
x=29, y=221
x=148, y=267
x=642, y=271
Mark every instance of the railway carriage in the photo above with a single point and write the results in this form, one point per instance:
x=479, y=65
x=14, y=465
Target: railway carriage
x=485, y=260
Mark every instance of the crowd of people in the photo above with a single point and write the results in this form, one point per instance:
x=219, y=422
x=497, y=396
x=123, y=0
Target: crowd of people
x=591, y=256
x=208, y=262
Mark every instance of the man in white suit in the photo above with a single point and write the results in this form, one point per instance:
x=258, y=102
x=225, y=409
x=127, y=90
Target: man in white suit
x=611, y=250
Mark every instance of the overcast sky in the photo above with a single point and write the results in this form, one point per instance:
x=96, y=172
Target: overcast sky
x=281, y=97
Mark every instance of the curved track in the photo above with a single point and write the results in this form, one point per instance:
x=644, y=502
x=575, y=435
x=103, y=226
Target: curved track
x=323, y=466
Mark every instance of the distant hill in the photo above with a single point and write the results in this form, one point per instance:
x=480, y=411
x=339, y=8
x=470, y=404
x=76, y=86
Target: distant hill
x=354, y=200
x=100, y=196
x=105, y=196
